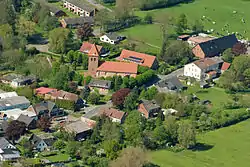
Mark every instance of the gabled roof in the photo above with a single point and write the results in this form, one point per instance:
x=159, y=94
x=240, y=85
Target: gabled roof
x=26, y=119
x=86, y=47
x=112, y=113
x=171, y=83
x=44, y=90
x=119, y=67
x=94, y=51
x=149, y=105
x=3, y=142
x=100, y=83
x=46, y=137
x=218, y=45
x=82, y=5
x=45, y=105
x=65, y=95
x=136, y=57
x=225, y=66
x=207, y=62
x=79, y=20
x=7, y=95
x=112, y=36
x=12, y=101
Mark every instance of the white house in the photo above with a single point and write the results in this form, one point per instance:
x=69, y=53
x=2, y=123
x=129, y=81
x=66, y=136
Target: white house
x=79, y=7
x=111, y=38
x=8, y=152
x=42, y=142
x=203, y=69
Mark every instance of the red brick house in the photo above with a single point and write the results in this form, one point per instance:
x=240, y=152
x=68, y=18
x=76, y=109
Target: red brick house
x=138, y=58
x=149, y=109
x=214, y=47
x=114, y=114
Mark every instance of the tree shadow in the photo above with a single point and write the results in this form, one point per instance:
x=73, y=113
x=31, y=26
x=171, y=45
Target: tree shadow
x=202, y=147
x=37, y=39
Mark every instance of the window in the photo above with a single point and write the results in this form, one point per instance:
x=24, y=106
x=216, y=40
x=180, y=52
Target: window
x=94, y=59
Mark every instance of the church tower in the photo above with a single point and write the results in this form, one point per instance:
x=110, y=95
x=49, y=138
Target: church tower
x=93, y=60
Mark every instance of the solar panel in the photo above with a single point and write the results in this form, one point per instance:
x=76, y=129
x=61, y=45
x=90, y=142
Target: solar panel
x=134, y=59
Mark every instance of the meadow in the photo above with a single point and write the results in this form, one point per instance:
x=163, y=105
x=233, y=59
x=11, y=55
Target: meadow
x=226, y=147
x=223, y=16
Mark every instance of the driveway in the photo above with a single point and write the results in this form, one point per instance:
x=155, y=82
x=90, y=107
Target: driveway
x=175, y=73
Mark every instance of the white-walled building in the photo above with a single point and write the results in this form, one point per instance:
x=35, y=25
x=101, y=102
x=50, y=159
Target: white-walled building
x=203, y=69
x=111, y=38
x=79, y=7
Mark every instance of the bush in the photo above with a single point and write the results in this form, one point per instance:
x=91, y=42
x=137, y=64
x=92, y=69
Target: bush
x=66, y=104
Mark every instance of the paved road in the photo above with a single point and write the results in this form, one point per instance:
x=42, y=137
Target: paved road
x=97, y=5
x=94, y=110
x=175, y=73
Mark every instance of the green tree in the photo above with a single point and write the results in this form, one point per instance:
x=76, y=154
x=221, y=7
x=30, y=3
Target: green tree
x=186, y=134
x=131, y=157
x=72, y=148
x=79, y=59
x=110, y=131
x=172, y=129
x=59, y=144
x=133, y=128
x=197, y=27
x=85, y=93
x=94, y=98
x=25, y=28
x=130, y=102
x=228, y=55
x=6, y=33
x=112, y=148
x=60, y=79
x=181, y=24
x=85, y=62
x=148, y=19
x=59, y=40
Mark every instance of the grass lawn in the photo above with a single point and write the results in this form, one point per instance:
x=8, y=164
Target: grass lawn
x=221, y=12
x=58, y=157
x=227, y=147
x=216, y=95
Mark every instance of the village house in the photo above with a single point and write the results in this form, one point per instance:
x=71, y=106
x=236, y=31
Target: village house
x=79, y=7
x=30, y=122
x=204, y=69
x=42, y=142
x=3, y=127
x=172, y=83
x=14, y=102
x=113, y=114
x=46, y=108
x=149, y=109
x=103, y=86
x=44, y=92
x=63, y=95
x=214, y=47
x=200, y=38
x=76, y=22
x=8, y=152
x=13, y=114
x=7, y=95
x=54, y=11
x=111, y=38
x=138, y=58
x=109, y=68
x=81, y=128
x=16, y=80
x=87, y=47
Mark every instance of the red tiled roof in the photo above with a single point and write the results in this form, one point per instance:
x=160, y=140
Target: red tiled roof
x=225, y=66
x=44, y=90
x=113, y=113
x=65, y=95
x=120, y=67
x=143, y=59
x=94, y=51
x=86, y=47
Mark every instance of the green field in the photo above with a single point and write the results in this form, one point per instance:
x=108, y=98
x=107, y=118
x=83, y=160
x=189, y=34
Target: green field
x=227, y=147
x=219, y=11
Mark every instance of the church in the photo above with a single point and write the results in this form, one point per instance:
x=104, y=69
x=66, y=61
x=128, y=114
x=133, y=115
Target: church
x=97, y=68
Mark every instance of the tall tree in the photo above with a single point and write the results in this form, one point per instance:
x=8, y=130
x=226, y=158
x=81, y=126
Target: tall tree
x=44, y=123
x=133, y=128
x=228, y=55
x=84, y=32
x=130, y=102
x=119, y=96
x=7, y=36
x=239, y=48
x=131, y=157
x=25, y=28
x=181, y=24
x=197, y=27
x=15, y=129
x=186, y=135
x=59, y=40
